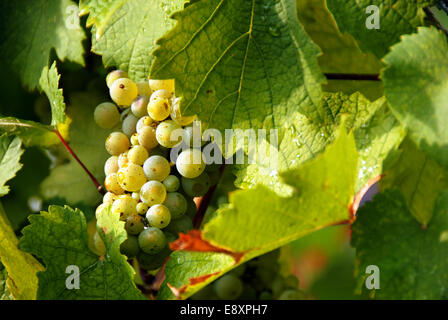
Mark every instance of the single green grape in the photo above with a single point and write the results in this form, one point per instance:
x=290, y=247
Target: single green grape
x=138, y=154
x=196, y=187
x=152, y=262
x=130, y=247
x=177, y=117
x=169, y=133
x=135, y=196
x=181, y=225
x=106, y=115
x=278, y=286
x=98, y=244
x=152, y=240
x=153, y=192
x=123, y=160
x=171, y=183
x=134, y=224
x=139, y=106
x=109, y=197
x=190, y=163
x=176, y=203
x=228, y=287
x=142, y=208
x=167, y=85
x=147, y=137
x=124, y=207
x=100, y=209
x=111, y=165
x=144, y=121
x=134, y=139
x=158, y=216
x=123, y=91
x=129, y=125
x=116, y=143
x=143, y=88
x=159, y=109
x=160, y=95
x=292, y=294
x=131, y=177
x=114, y=75
x=156, y=168
x=111, y=184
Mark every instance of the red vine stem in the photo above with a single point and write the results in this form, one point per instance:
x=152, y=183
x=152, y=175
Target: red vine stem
x=98, y=186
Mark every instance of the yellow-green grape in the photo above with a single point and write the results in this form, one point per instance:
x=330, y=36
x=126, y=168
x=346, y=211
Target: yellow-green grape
x=134, y=139
x=159, y=109
x=124, y=207
x=134, y=224
x=98, y=244
x=165, y=136
x=106, y=115
x=109, y=198
x=181, y=225
x=171, y=183
x=138, y=154
x=114, y=75
x=139, y=106
x=167, y=85
x=190, y=163
x=153, y=192
x=123, y=160
x=129, y=125
x=228, y=287
x=143, y=88
x=135, y=196
x=158, y=216
x=160, y=95
x=130, y=247
x=156, y=168
x=176, y=204
x=142, y=122
x=111, y=165
x=123, y=91
x=177, y=117
x=142, y=208
x=152, y=240
x=131, y=177
x=196, y=187
x=100, y=208
x=111, y=184
x=152, y=262
x=116, y=143
x=147, y=137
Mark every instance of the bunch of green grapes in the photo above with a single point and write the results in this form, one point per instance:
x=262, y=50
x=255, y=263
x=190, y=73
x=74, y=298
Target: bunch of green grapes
x=258, y=279
x=150, y=193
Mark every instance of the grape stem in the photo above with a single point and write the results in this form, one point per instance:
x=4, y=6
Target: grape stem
x=98, y=186
x=204, y=201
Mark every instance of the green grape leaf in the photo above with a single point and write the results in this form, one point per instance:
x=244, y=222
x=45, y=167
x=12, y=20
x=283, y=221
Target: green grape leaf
x=68, y=181
x=10, y=153
x=376, y=133
x=258, y=220
x=49, y=83
x=418, y=177
x=20, y=266
x=412, y=260
x=30, y=30
x=5, y=294
x=113, y=23
x=396, y=17
x=416, y=87
x=59, y=237
x=254, y=66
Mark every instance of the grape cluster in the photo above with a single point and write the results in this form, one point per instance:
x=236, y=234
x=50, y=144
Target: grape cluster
x=258, y=279
x=153, y=195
